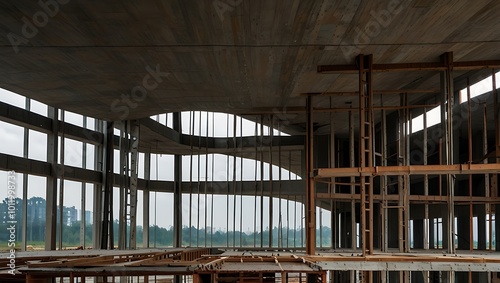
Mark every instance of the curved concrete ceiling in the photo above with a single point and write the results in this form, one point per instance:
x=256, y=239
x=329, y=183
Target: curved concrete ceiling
x=131, y=59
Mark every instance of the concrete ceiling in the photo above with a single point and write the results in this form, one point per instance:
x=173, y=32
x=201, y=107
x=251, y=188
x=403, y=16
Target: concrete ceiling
x=227, y=55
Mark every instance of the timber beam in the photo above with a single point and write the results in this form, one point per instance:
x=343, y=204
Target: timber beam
x=397, y=67
x=411, y=198
x=455, y=169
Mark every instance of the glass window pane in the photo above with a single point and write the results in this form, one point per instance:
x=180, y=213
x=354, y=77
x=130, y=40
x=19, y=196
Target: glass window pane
x=35, y=233
x=38, y=107
x=12, y=139
x=37, y=146
x=90, y=156
x=73, y=152
x=12, y=98
x=73, y=118
x=71, y=217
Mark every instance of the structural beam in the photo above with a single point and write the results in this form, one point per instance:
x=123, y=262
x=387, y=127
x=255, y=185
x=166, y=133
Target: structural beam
x=380, y=91
x=425, y=66
x=458, y=169
x=411, y=198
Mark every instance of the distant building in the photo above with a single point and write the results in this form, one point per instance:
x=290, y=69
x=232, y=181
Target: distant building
x=88, y=217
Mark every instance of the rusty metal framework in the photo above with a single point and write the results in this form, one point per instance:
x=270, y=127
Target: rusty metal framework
x=438, y=180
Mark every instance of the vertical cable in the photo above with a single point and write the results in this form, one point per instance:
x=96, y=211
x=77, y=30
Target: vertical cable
x=288, y=199
x=191, y=133
x=61, y=182
x=256, y=187
x=302, y=223
x=261, y=182
x=241, y=180
x=156, y=199
x=271, y=197
x=212, y=204
x=295, y=223
x=227, y=181
x=199, y=183
x=234, y=180
x=206, y=179
x=280, y=225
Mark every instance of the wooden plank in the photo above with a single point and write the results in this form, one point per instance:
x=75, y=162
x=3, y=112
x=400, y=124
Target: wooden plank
x=409, y=170
x=397, y=67
x=381, y=91
x=412, y=198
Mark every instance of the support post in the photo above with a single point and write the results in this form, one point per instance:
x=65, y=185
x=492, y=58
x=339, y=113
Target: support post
x=83, y=221
x=177, y=187
x=310, y=191
x=51, y=190
x=447, y=122
x=134, y=157
x=25, y=185
x=107, y=240
x=123, y=147
x=98, y=189
x=352, y=188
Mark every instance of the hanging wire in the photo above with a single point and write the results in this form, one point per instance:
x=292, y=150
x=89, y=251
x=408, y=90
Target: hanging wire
x=234, y=180
x=271, y=198
x=212, y=181
x=227, y=181
x=288, y=199
x=302, y=222
x=61, y=182
x=241, y=180
x=280, y=224
x=255, y=190
x=295, y=223
x=156, y=175
x=191, y=133
x=199, y=183
x=261, y=182
x=206, y=180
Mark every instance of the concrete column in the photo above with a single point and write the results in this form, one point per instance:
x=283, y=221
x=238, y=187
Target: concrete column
x=25, y=185
x=177, y=187
x=51, y=189
x=97, y=205
x=310, y=205
x=107, y=239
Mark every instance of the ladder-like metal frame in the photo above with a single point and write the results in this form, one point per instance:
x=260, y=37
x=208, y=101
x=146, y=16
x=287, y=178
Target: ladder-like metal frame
x=366, y=157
